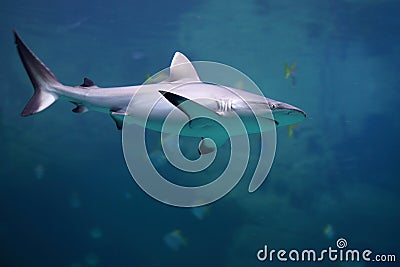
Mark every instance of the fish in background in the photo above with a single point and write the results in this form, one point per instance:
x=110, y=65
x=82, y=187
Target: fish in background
x=175, y=240
x=328, y=231
x=74, y=200
x=168, y=144
x=39, y=171
x=291, y=129
x=291, y=72
x=159, y=77
x=95, y=233
x=92, y=259
x=72, y=25
x=200, y=212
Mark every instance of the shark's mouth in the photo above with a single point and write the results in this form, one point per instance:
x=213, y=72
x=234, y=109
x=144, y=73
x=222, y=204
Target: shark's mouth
x=273, y=120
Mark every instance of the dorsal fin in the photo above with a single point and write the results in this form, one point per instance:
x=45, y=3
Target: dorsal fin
x=182, y=69
x=87, y=83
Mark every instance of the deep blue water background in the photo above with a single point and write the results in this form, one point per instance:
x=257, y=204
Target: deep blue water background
x=63, y=175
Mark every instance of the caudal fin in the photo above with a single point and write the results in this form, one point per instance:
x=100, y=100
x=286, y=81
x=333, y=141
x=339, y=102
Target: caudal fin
x=41, y=77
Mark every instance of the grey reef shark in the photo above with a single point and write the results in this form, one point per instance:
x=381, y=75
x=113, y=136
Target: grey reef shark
x=181, y=96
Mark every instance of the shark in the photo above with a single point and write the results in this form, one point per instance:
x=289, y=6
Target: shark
x=182, y=97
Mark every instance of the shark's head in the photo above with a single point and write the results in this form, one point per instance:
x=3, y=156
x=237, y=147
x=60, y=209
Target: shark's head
x=285, y=114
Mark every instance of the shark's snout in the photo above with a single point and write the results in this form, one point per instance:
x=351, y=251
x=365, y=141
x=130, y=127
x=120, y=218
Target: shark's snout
x=286, y=114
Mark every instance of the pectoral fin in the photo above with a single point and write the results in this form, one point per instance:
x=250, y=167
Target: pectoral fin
x=210, y=144
x=118, y=117
x=196, y=112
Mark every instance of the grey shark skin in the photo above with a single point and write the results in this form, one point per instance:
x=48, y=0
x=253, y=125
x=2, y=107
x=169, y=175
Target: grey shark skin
x=182, y=92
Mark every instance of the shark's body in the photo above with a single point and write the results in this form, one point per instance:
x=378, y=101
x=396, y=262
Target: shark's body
x=182, y=91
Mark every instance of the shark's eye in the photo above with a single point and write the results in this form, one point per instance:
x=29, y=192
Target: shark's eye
x=272, y=106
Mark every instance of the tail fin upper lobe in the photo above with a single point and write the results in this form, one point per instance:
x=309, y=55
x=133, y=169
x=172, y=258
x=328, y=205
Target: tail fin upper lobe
x=41, y=77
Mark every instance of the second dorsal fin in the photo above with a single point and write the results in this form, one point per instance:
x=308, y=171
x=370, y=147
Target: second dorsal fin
x=87, y=83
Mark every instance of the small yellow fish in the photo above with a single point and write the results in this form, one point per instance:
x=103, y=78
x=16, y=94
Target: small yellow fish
x=200, y=212
x=39, y=171
x=291, y=71
x=328, y=231
x=175, y=240
x=290, y=129
x=239, y=84
x=148, y=76
x=158, y=77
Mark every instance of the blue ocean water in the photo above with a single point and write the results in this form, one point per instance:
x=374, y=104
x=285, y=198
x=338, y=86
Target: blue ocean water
x=67, y=197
